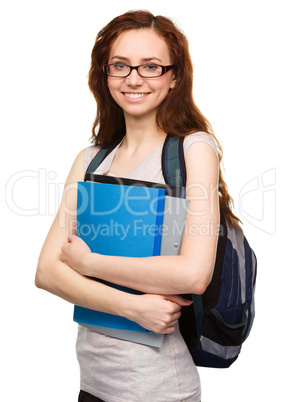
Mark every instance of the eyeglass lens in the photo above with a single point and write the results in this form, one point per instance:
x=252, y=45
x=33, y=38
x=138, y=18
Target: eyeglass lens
x=122, y=70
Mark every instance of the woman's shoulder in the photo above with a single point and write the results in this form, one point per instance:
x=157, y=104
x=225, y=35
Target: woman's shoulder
x=89, y=153
x=200, y=136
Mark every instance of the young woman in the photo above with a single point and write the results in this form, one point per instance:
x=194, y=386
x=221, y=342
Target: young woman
x=141, y=78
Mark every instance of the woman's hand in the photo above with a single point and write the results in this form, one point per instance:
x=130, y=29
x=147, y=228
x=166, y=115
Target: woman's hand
x=157, y=313
x=74, y=254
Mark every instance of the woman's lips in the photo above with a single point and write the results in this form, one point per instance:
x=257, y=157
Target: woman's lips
x=135, y=95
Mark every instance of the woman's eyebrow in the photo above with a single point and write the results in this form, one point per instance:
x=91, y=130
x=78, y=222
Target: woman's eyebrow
x=143, y=59
x=151, y=58
x=119, y=58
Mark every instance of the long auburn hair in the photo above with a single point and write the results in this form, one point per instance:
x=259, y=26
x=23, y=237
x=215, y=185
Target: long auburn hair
x=177, y=115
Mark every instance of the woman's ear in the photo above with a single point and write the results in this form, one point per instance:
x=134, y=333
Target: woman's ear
x=173, y=83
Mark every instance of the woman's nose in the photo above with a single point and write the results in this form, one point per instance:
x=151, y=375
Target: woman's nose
x=134, y=78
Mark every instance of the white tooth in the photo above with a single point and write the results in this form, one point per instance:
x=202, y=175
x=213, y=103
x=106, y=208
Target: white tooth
x=134, y=96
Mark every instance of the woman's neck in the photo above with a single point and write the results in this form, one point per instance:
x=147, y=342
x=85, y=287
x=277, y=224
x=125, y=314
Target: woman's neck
x=142, y=132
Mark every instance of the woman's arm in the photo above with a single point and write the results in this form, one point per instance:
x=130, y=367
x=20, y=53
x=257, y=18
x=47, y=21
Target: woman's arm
x=154, y=312
x=191, y=271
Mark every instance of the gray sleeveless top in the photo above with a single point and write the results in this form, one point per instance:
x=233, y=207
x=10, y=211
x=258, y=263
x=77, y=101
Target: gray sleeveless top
x=118, y=370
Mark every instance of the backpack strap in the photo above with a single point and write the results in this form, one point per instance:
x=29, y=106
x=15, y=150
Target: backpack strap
x=100, y=156
x=173, y=163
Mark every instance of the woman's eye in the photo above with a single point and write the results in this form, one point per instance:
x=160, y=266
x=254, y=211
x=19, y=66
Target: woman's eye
x=151, y=67
x=119, y=66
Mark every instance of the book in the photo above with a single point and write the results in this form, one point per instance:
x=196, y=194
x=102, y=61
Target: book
x=174, y=220
x=119, y=220
x=145, y=338
x=101, y=209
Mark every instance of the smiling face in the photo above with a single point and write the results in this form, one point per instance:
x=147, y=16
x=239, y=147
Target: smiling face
x=139, y=96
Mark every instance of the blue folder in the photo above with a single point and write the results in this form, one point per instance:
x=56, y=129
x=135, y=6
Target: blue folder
x=119, y=220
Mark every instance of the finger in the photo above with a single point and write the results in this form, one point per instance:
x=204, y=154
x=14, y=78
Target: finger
x=166, y=328
x=65, y=247
x=173, y=323
x=176, y=315
x=169, y=330
x=171, y=326
x=179, y=300
x=174, y=307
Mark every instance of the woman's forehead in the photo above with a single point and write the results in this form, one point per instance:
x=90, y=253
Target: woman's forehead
x=141, y=43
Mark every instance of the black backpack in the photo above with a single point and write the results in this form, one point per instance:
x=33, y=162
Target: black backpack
x=218, y=322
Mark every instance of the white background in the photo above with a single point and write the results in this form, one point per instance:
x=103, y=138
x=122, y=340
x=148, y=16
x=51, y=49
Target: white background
x=46, y=116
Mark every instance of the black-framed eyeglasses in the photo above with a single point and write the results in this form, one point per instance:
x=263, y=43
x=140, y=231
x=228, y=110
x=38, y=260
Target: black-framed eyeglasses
x=121, y=70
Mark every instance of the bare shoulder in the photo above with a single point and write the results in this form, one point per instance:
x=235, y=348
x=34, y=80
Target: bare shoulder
x=202, y=164
x=200, y=137
x=76, y=172
x=65, y=221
